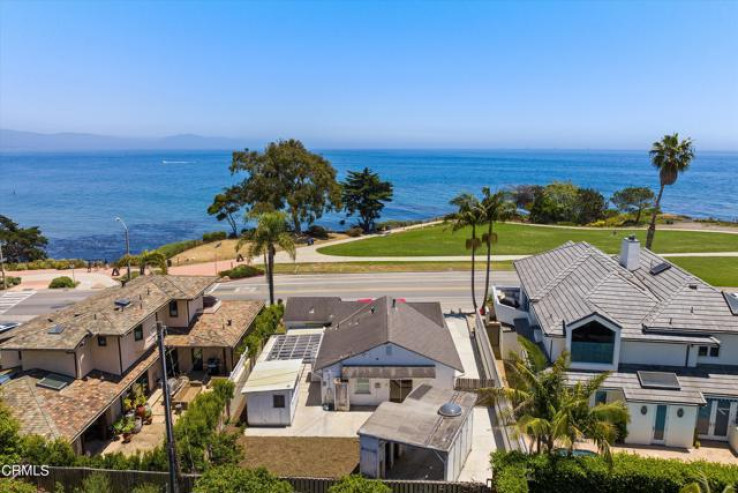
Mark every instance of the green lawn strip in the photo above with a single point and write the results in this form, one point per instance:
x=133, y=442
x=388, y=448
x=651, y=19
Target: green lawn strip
x=359, y=267
x=521, y=239
x=718, y=271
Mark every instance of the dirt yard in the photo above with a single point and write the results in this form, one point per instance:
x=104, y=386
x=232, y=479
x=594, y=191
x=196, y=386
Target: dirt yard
x=302, y=456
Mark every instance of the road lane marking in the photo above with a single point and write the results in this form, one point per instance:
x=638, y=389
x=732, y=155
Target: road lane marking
x=11, y=299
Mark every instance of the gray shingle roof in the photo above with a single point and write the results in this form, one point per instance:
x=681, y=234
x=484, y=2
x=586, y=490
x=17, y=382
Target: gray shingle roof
x=379, y=322
x=577, y=279
x=98, y=314
x=319, y=309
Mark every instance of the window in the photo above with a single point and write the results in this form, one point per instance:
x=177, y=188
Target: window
x=102, y=341
x=702, y=351
x=138, y=333
x=715, y=352
x=600, y=397
x=592, y=343
x=173, y=309
x=278, y=401
x=362, y=386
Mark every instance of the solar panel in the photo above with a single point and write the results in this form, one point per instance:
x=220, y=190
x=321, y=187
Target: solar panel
x=54, y=382
x=658, y=380
x=57, y=329
x=295, y=346
x=659, y=268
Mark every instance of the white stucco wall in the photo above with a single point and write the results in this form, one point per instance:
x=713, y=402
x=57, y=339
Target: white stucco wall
x=131, y=349
x=678, y=432
x=647, y=353
x=728, y=351
x=9, y=359
x=261, y=410
x=106, y=357
x=53, y=361
x=85, y=360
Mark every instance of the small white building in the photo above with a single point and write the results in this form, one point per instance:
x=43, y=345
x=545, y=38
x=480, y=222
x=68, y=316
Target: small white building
x=432, y=427
x=271, y=392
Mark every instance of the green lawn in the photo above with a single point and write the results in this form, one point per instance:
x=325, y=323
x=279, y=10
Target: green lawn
x=372, y=267
x=520, y=239
x=718, y=271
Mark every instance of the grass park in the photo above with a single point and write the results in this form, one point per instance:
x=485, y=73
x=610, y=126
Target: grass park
x=523, y=239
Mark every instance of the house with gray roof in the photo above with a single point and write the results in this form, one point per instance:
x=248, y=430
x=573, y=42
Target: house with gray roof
x=378, y=350
x=670, y=339
x=71, y=369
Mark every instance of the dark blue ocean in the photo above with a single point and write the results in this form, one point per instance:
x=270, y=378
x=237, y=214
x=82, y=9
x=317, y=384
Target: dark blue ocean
x=163, y=196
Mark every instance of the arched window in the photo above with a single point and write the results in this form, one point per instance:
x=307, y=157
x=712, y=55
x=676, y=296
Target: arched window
x=592, y=343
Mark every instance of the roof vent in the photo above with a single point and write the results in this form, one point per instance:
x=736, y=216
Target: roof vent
x=122, y=302
x=57, y=329
x=450, y=410
x=692, y=285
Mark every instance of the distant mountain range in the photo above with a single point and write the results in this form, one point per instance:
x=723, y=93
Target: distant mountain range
x=15, y=140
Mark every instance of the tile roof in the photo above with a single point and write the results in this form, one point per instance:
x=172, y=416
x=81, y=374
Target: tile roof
x=68, y=412
x=417, y=422
x=222, y=328
x=577, y=279
x=98, y=314
x=385, y=321
x=695, y=383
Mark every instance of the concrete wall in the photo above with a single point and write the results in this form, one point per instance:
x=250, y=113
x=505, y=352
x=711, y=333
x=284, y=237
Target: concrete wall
x=653, y=353
x=54, y=361
x=678, y=432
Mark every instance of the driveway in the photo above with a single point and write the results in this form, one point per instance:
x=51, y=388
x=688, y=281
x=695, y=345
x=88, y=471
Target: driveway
x=460, y=334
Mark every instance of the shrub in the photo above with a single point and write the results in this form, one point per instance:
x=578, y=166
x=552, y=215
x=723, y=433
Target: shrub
x=628, y=474
x=57, y=264
x=214, y=236
x=318, y=232
x=266, y=325
x=234, y=479
x=95, y=483
x=242, y=272
x=9, y=485
x=359, y=484
x=171, y=249
x=11, y=281
x=148, y=488
x=62, y=282
x=354, y=232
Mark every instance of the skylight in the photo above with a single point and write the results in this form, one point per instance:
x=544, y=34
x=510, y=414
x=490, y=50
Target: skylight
x=57, y=329
x=658, y=380
x=54, y=381
x=659, y=268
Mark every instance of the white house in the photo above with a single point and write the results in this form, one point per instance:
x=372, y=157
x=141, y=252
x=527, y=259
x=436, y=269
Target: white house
x=378, y=350
x=670, y=339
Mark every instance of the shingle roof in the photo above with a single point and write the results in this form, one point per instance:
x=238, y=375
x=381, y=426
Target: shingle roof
x=385, y=321
x=68, y=412
x=319, y=309
x=223, y=328
x=576, y=280
x=98, y=314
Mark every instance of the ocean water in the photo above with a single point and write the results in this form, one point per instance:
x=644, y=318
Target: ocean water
x=163, y=196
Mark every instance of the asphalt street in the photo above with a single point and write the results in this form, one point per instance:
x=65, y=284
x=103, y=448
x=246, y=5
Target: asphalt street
x=450, y=288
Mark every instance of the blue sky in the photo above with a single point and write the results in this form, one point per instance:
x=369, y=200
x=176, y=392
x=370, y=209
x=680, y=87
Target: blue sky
x=360, y=74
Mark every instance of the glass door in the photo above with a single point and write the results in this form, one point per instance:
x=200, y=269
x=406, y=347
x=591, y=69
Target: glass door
x=722, y=418
x=703, y=418
x=660, y=424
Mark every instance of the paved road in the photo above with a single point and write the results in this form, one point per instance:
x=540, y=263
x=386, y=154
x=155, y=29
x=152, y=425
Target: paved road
x=40, y=302
x=451, y=288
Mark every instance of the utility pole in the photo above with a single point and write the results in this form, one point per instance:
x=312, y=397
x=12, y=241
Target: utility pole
x=2, y=266
x=128, y=247
x=174, y=472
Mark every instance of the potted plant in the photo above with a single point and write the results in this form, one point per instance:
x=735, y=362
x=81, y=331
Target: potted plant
x=139, y=399
x=137, y=424
x=127, y=429
x=117, y=429
x=148, y=415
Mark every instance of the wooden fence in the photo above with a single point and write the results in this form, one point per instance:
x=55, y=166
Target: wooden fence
x=71, y=478
x=474, y=384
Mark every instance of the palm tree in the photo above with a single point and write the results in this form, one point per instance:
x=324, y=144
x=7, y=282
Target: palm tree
x=494, y=207
x=671, y=157
x=468, y=213
x=548, y=409
x=702, y=485
x=152, y=257
x=271, y=232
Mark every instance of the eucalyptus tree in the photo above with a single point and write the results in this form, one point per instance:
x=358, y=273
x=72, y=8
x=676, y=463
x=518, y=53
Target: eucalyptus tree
x=671, y=157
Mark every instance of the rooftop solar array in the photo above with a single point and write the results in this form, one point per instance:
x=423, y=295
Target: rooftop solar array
x=658, y=380
x=295, y=346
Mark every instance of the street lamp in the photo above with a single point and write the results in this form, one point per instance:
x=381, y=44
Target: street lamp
x=2, y=266
x=128, y=247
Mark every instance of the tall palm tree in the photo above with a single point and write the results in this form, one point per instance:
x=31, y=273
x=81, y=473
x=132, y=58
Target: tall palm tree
x=671, y=157
x=271, y=232
x=494, y=207
x=152, y=257
x=468, y=213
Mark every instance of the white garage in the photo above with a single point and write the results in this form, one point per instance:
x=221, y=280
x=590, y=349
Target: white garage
x=271, y=392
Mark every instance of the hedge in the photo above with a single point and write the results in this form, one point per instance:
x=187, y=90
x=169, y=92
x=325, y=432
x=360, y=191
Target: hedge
x=10, y=281
x=62, y=282
x=59, y=264
x=629, y=473
x=241, y=272
x=214, y=236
